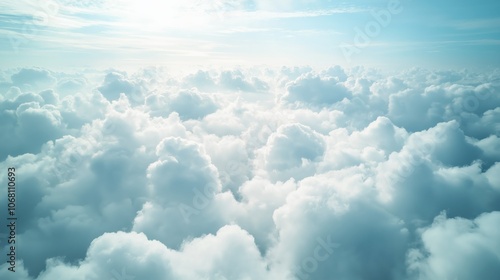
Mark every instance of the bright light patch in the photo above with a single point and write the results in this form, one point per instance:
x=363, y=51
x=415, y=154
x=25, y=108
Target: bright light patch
x=157, y=14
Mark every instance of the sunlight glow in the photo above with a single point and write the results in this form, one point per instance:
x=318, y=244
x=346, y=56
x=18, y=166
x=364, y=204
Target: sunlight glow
x=158, y=14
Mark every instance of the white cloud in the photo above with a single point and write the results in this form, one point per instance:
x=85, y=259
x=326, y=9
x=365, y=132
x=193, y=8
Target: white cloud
x=291, y=152
x=132, y=254
x=316, y=91
x=115, y=83
x=191, y=105
x=33, y=78
x=181, y=168
x=253, y=173
x=458, y=248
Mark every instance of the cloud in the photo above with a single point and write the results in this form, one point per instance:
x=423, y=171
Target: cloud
x=336, y=72
x=235, y=81
x=457, y=248
x=191, y=105
x=201, y=80
x=181, y=168
x=230, y=156
x=333, y=211
x=69, y=85
x=33, y=78
x=316, y=91
x=115, y=83
x=28, y=121
x=287, y=173
x=134, y=254
x=292, y=150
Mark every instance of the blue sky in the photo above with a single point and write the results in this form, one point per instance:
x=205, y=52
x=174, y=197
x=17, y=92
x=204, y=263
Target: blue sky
x=421, y=33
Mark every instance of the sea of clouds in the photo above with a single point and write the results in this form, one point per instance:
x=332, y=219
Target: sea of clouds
x=279, y=174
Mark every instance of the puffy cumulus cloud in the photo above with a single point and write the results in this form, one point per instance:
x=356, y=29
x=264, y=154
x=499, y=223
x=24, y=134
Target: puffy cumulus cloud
x=61, y=207
x=20, y=272
x=31, y=117
x=490, y=148
x=235, y=80
x=292, y=151
x=336, y=72
x=226, y=80
x=232, y=160
x=28, y=122
x=203, y=80
x=259, y=199
x=417, y=176
x=287, y=74
x=386, y=86
x=71, y=85
x=107, y=156
x=191, y=105
x=370, y=146
x=181, y=167
x=286, y=174
x=483, y=126
x=458, y=248
x=322, y=121
x=442, y=102
x=188, y=104
x=36, y=121
x=491, y=175
x=174, y=223
x=381, y=134
x=33, y=78
x=229, y=254
x=116, y=83
x=183, y=183
x=332, y=226
x=254, y=123
x=316, y=90
x=413, y=110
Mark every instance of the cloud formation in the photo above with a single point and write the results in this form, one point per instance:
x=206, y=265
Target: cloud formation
x=284, y=173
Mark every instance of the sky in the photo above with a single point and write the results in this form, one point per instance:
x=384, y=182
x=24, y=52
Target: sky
x=380, y=33
x=249, y=140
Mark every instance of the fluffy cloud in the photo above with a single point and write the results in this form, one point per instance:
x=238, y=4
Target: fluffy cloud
x=116, y=83
x=201, y=80
x=28, y=121
x=235, y=80
x=227, y=80
x=458, y=248
x=316, y=90
x=291, y=151
x=123, y=254
x=33, y=78
x=192, y=105
x=71, y=85
x=180, y=168
x=253, y=174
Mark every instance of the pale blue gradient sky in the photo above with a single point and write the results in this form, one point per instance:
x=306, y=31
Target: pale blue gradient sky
x=97, y=33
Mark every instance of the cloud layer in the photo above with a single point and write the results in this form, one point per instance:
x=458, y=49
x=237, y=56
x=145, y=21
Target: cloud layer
x=261, y=173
